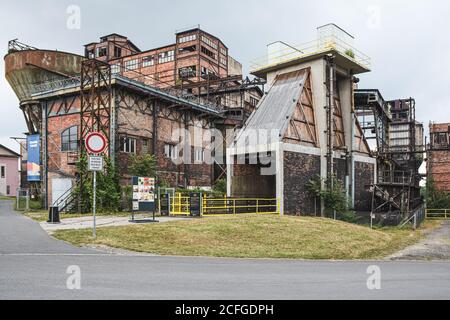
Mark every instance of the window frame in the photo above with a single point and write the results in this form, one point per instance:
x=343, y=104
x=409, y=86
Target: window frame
x=69, y=145
x=128, y=147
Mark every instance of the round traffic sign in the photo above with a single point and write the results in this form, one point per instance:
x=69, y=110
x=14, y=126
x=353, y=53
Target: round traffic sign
x=95, y=142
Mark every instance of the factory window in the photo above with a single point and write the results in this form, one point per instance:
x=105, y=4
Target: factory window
x=188, y=49
x=206, y=72
x=253, y=102
x=69, y=139
x=209, y=42
x=3, y=172
x=101, y=52
x=115, y=68
x=188, y=38
x=129, y=145
x=199, y=155
x=223, y=51
x=91, y=54
x=148, y=61
x=171, y=151
x=223, y=61
x=131, y=64
x=187, y=72
x=209, y=53
x=117, y=52
x=166, y=56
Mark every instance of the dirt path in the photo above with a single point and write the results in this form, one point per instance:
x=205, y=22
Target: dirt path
x=436, y=246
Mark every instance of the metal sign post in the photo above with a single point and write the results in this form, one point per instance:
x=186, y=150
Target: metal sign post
x=95, y=144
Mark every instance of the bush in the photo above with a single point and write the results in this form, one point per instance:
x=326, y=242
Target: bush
x=335, y=200
x=350, y=53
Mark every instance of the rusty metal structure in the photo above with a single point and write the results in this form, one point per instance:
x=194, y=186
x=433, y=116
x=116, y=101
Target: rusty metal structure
x=397, y=140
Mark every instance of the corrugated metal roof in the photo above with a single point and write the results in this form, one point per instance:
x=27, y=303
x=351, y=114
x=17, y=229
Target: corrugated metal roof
x=278, y=105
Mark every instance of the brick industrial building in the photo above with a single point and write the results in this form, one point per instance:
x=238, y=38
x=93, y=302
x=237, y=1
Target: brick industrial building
x=140, y=101
x=438, y=156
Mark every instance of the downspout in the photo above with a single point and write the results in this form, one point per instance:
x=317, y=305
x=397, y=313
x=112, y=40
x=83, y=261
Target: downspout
x=352, y=134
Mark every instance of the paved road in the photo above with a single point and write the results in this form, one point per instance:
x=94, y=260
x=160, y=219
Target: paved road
x=33, y=266
x=436, y=246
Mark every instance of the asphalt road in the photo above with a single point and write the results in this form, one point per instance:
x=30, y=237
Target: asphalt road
x=33, y=266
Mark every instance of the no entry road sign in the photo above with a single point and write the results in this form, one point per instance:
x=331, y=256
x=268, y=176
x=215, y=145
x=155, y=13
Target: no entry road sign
x=95, y=143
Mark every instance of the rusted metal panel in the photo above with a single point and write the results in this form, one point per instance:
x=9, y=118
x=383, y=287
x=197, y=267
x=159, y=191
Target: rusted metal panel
x=25, y=69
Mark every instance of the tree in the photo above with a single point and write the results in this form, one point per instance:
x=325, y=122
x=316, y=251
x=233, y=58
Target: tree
x=143, y=165
x=335, y=199
x=108, y=189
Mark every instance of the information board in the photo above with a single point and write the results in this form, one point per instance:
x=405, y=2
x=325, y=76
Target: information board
x=143, y=194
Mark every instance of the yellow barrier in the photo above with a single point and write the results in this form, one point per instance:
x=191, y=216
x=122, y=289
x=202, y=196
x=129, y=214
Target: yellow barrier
x=437, y=213
x=180, y=205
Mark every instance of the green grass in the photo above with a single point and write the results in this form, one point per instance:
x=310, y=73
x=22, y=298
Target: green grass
x=42, y=215
x=251, y=236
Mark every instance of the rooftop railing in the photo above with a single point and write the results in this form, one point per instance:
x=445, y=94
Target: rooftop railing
x=290, y=53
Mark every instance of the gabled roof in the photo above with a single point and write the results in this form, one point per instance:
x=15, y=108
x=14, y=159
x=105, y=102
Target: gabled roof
x=277, y=106
x=8, y=152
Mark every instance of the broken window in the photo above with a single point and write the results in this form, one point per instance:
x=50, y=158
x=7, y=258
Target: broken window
x=209, y=53
x=187, y=72
x=148, y=61
x=69, y=139
x=117, y=52
x=101, y=52
x=166, y=56
x=188, y=49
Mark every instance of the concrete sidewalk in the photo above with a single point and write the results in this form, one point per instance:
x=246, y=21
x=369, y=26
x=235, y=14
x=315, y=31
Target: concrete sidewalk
x=101, y=221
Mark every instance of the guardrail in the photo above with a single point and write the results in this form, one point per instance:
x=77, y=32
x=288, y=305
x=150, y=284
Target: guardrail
x=437, y=213
x=210, y=206
x=311, y=48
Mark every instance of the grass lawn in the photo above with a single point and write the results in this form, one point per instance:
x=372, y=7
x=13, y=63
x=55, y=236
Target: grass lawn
x=42, y=215
x=251, y=236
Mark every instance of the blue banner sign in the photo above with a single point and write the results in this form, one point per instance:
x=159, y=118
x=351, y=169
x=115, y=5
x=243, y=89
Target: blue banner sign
x=34, y=158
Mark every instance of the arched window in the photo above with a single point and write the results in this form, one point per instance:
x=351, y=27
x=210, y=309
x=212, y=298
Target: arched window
x=69, y=139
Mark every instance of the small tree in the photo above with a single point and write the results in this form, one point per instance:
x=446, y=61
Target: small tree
x=143, y=165
x=108, y=189
x=335, y=199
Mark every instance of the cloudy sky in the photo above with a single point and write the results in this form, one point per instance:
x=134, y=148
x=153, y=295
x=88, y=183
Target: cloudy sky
x=408, y=41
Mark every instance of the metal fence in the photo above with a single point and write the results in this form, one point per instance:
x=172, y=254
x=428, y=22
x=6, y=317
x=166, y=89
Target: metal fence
x=437, y=213
x=23, y=199
x=213, y=206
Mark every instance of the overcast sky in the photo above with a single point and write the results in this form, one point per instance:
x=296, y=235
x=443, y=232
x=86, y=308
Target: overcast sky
x=408, y=41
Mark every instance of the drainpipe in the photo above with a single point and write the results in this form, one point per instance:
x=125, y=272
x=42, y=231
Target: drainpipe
x=352, y=133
